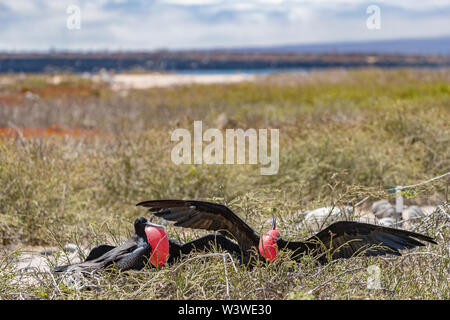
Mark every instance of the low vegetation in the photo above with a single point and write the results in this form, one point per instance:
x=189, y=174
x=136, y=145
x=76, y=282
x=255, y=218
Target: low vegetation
x=75, y=158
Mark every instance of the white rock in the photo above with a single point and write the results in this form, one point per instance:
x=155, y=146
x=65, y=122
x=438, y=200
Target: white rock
x=318, y=217
x=413, y=212
x=376, y=205
x=383, y=209
x=387, y=222
x=70, y=247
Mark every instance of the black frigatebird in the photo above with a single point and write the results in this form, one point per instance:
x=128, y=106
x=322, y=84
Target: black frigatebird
x=149, y=243
x=342, y=239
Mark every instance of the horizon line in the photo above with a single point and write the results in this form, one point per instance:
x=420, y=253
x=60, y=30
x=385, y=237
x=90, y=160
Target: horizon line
x=52, y=49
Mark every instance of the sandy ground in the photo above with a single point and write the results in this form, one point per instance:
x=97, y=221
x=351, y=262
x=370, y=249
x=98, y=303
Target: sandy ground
x=143, y=81
x=33, y=260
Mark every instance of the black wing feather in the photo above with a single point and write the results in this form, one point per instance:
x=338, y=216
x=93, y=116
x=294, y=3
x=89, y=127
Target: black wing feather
x=129, y=255
x=342, y=239
x=347, y=238
x=204, y=215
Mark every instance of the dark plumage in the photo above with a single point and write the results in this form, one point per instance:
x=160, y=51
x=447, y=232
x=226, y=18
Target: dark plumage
x=130, y=255
x=135, y=252
x=340, y=240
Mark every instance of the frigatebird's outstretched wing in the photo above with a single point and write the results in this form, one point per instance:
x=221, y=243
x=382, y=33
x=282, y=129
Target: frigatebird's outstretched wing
x=130, y=255
x=205, y=215
x=342, y=239
x=345, y=239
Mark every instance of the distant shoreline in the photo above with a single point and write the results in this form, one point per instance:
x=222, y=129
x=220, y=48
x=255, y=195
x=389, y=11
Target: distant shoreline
x=144, y=81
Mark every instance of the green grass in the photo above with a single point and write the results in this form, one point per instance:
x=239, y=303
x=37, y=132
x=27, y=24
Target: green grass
x=343, y=135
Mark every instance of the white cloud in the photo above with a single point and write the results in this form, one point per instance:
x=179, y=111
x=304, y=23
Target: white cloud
x=191, y=2
x=140, y=24
x=19, y=6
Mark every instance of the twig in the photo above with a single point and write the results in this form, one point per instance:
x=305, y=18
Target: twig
x=206, y=256
x=55, y=284
x=324, y=268
x=446, y=190
x=143, y=286
x=362, y=201
x=224, y=256
x=352, y=283
x=332, y=279
x=7, y=187
x=226, y=276
x=423, y=253
x=424, y=182
x=78, y=280
x=260, y=289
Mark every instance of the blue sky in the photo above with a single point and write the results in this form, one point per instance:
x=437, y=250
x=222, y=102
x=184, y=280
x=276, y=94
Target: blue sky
x=185, y=24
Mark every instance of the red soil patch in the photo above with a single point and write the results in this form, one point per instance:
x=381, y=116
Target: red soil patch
x=54, y=130
x=48, y=92
x=10, y=99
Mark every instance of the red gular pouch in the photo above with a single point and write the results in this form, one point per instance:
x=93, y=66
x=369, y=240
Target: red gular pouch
x=268, y=243
x=159, y=241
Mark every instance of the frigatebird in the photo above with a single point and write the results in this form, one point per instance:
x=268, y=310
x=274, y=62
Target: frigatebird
x=149, y=243
x=343, y=239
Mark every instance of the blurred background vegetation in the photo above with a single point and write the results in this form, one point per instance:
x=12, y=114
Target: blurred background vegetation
x=77, y=154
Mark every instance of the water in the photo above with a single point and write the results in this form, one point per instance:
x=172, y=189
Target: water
x=266, y=71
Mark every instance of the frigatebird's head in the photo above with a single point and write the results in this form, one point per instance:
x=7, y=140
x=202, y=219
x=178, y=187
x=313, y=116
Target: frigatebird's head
x=268, y=243
x=156, y=237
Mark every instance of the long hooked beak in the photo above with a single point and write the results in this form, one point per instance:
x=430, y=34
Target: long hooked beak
x=274, y=223
x=149, y=223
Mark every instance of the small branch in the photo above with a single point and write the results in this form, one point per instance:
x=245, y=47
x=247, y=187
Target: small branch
x=55, y=283
x=332, y=279
x=321, y=269
x=352, y=283
x=224, y=256
x=423, y=253
x=260, y=289
x=206, y=256
x=226, y=276
x=362, y=201
x=143, y=286
x=425, y=182
x=7, y=187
